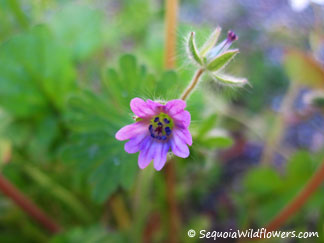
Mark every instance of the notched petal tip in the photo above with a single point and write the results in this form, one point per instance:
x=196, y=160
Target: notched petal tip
x=182, y=119
x=175, y=106
x=141, y=108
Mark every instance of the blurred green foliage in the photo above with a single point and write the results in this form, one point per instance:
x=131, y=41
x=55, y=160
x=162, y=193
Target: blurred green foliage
x=65, y=88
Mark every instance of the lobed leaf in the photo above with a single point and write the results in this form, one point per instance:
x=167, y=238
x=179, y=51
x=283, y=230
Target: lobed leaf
x=36, y=74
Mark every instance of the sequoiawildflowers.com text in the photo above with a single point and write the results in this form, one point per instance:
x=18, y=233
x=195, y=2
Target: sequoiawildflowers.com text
x=251, y=233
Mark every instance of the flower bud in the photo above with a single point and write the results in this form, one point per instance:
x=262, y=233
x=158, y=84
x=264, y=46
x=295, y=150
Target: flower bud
x=214, y=58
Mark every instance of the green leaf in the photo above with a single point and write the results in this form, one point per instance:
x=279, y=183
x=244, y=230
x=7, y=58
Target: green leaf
x=93, y=147
x=128, y=81
x=207, y=125
x=168, y=86
x=129, y=165
x=217, y=142
x=80, y=28
x=92, y=234
x=41, y=138
x=59, y=192
x=262, y=181
x=192, y=49
x=211, y=41
x=33, y=62
x=300, y=167
x=221, y=60
x=229, y=80
x=105, y=179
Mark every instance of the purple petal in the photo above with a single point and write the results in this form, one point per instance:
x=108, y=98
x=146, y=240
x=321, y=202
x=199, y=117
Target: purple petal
x=175, y=106
x=141, y=108
x=134, y=144
x=179, y=147
x=183, y=134
x=182, y=119
x=131, y=130
x=155, y=106
x=161, y=155
x=145, y=157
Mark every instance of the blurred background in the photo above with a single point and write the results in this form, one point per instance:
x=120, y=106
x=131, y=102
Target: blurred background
x=68, y=70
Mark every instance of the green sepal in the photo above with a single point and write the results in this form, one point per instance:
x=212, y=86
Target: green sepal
x=211, y=41
x=193, y=52
x=229, y=80
x=221, y=60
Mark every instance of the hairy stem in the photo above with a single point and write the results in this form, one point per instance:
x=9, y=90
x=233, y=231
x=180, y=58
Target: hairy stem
x=192, y=85
x=28, y=206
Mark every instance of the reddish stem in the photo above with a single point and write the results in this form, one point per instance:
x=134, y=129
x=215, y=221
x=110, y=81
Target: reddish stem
x=169, y=62
x=174, y=218
x=28, y=206
x=296, y=203
x=300, y=199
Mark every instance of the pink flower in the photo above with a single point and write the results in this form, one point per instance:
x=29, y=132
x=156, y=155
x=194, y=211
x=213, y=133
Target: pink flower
x=158, y=128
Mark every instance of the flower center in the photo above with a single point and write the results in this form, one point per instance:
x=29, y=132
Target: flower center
x=161, y=126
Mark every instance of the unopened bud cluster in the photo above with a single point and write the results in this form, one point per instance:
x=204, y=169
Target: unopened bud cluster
x=213, y=58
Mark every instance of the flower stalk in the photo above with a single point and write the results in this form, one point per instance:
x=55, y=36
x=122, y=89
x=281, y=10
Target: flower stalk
x=193, y=84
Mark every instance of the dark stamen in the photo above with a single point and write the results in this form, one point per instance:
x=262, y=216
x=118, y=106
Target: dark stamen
x=166, y=121
x=167, y=131
x=156, y=119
